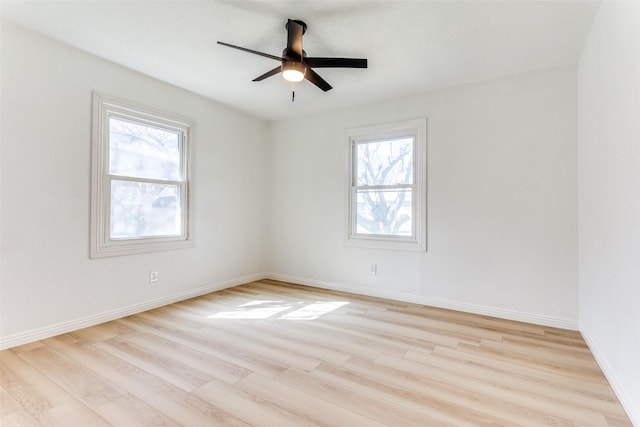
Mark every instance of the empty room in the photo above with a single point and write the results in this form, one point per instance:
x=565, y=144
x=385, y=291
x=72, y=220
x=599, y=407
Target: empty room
x=320, y=213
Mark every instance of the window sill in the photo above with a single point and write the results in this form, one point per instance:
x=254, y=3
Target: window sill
x=394, y=244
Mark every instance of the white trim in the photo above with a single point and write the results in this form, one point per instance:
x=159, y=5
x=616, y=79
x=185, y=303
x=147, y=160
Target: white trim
x=629, y=405
x=72, y=325
x=85, y=322
x=416, y=128
x=536, y=319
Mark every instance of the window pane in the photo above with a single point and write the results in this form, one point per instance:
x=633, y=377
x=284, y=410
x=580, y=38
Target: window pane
x=143, y=151
x=384, y=212
x=144, y=210
x=385, y=162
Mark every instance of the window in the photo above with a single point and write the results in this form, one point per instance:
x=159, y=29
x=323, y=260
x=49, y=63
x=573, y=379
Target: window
x=140, y=186
x=387, y=186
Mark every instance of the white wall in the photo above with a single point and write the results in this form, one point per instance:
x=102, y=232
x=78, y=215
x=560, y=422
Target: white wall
x=609, y=196
x=502, y=201
x=47, y=277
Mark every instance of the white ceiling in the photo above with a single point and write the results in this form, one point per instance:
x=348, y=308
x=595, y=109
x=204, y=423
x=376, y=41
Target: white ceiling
x=412, y=46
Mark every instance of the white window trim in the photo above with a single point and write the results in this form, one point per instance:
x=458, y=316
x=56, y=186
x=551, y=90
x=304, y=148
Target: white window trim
x=101, y=245
x=418, y=129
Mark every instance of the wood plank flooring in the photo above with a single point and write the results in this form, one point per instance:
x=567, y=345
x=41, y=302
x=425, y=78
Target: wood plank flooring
x=275, y=354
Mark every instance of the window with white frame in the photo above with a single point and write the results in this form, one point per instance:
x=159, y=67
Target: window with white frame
x=387, y=186
x=140, y=179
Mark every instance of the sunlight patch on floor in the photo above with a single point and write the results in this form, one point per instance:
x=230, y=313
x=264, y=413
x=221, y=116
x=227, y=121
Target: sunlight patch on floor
x=264, y=309
x=315, y=310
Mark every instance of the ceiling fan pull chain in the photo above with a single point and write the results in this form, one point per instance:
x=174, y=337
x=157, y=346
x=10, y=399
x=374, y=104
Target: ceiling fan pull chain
x=293, y=92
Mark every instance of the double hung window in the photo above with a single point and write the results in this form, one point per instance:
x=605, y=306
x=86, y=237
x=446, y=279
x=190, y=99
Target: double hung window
x=140, y=185
x=387, y=186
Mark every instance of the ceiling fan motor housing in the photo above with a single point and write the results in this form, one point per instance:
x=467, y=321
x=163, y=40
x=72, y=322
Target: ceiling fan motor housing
x=293, y=55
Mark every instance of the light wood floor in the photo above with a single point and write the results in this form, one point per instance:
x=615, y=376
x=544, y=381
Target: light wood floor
x=272, y=354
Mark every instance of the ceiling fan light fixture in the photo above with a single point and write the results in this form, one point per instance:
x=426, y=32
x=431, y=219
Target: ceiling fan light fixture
x=293, y=71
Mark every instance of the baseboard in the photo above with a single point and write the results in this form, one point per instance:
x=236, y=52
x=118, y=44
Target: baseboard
x=536, y=319
x=73, y=325
x=61, y=328
x=629, y=405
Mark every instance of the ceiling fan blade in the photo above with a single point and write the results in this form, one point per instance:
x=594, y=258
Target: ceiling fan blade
x=244, y=49
x=294, y=38
x=336, y=62
x=314, y=78
x=268, y=74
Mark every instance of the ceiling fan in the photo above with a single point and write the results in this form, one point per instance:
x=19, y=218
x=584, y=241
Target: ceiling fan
x=295, y=65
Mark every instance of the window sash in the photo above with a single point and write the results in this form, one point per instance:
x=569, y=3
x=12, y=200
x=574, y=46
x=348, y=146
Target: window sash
x=181, y=183
x=182, y=191
x=180, y=132
x=355, y=188
x=398, y=139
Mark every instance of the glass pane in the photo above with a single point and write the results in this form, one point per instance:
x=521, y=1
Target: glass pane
x=385, y=162
x=384, y=212
x=143, y=151
x=144, y=210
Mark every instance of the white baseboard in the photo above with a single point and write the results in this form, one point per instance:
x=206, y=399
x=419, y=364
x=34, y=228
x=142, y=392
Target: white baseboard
x=73, y=325
x=629, y=405
x=536, y=319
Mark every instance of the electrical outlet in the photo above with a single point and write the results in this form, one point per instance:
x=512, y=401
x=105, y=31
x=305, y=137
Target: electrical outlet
x=373, y=269
x=153, y=276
